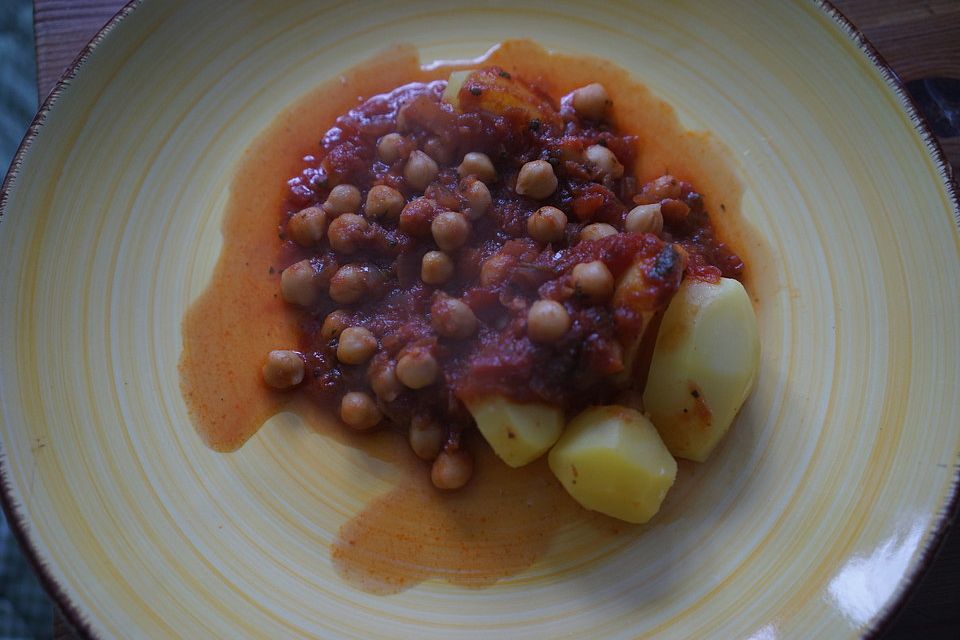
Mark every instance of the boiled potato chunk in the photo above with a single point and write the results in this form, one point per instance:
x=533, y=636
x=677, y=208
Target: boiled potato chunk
x=451, y=94
x=632, y=280
x=611, y=460
x=518, y=432
x=495, y=90
x=704, y=366
x=640, y=290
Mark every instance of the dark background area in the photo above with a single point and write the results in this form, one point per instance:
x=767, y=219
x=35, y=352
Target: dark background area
x=25, y=611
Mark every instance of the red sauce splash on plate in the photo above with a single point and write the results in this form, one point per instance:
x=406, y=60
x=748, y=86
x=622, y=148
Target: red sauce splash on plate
x=504, y=520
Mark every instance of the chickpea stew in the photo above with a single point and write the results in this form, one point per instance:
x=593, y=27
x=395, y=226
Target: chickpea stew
x=474, y=253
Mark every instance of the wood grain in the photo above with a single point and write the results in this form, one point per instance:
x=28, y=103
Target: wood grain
x=919, y=39
x=62, y=28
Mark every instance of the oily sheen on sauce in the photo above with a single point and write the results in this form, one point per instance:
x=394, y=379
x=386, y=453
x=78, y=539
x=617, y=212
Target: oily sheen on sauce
x=502, y=522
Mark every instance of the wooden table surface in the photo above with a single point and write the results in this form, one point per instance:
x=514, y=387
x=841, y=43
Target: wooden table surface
x=920, y=39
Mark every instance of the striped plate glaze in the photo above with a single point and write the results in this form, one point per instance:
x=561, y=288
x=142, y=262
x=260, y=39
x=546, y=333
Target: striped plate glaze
x=810, y=521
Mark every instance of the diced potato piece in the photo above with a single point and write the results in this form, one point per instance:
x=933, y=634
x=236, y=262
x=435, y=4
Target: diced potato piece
x=643, y=289
x=630, y=281
x=494, y=90
x=611, y=460
x=451, y=94
x=704, y=366
x=518, y=432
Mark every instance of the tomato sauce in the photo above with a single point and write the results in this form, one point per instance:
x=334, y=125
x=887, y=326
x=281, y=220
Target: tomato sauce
x=240, y=317
x=501, y=359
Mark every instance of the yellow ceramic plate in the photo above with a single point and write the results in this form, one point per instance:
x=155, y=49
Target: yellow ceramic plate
x=808, y=522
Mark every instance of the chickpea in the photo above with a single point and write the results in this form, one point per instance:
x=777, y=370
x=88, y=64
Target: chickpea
x=426, y=437
x=594, y=280
x=300, y=284
x=348, y=284
x=591, y=102
x=604, y=161
x=435, y=148
x=417, y=369
x=597, y=230
x=450, y=230
x=403, y=123
x=356, y=345
x=420, y=170
x=537, y=180
x=547, y=321
x=375, y=280
x=496, y=269
x=666, y=186
x=283, y=369
x=347, y=232
x=645, y=218
x=452, y=318
x=674, y=211
x=451, y=469
x=359, y=410
x=477, y=164
x=343, y=198
x=478, y=197
x=384, y=381
x=307, y=226
x=436, y=268
x=547, y=224
x=334, y=324
x=389, y=147
x=383, y=201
